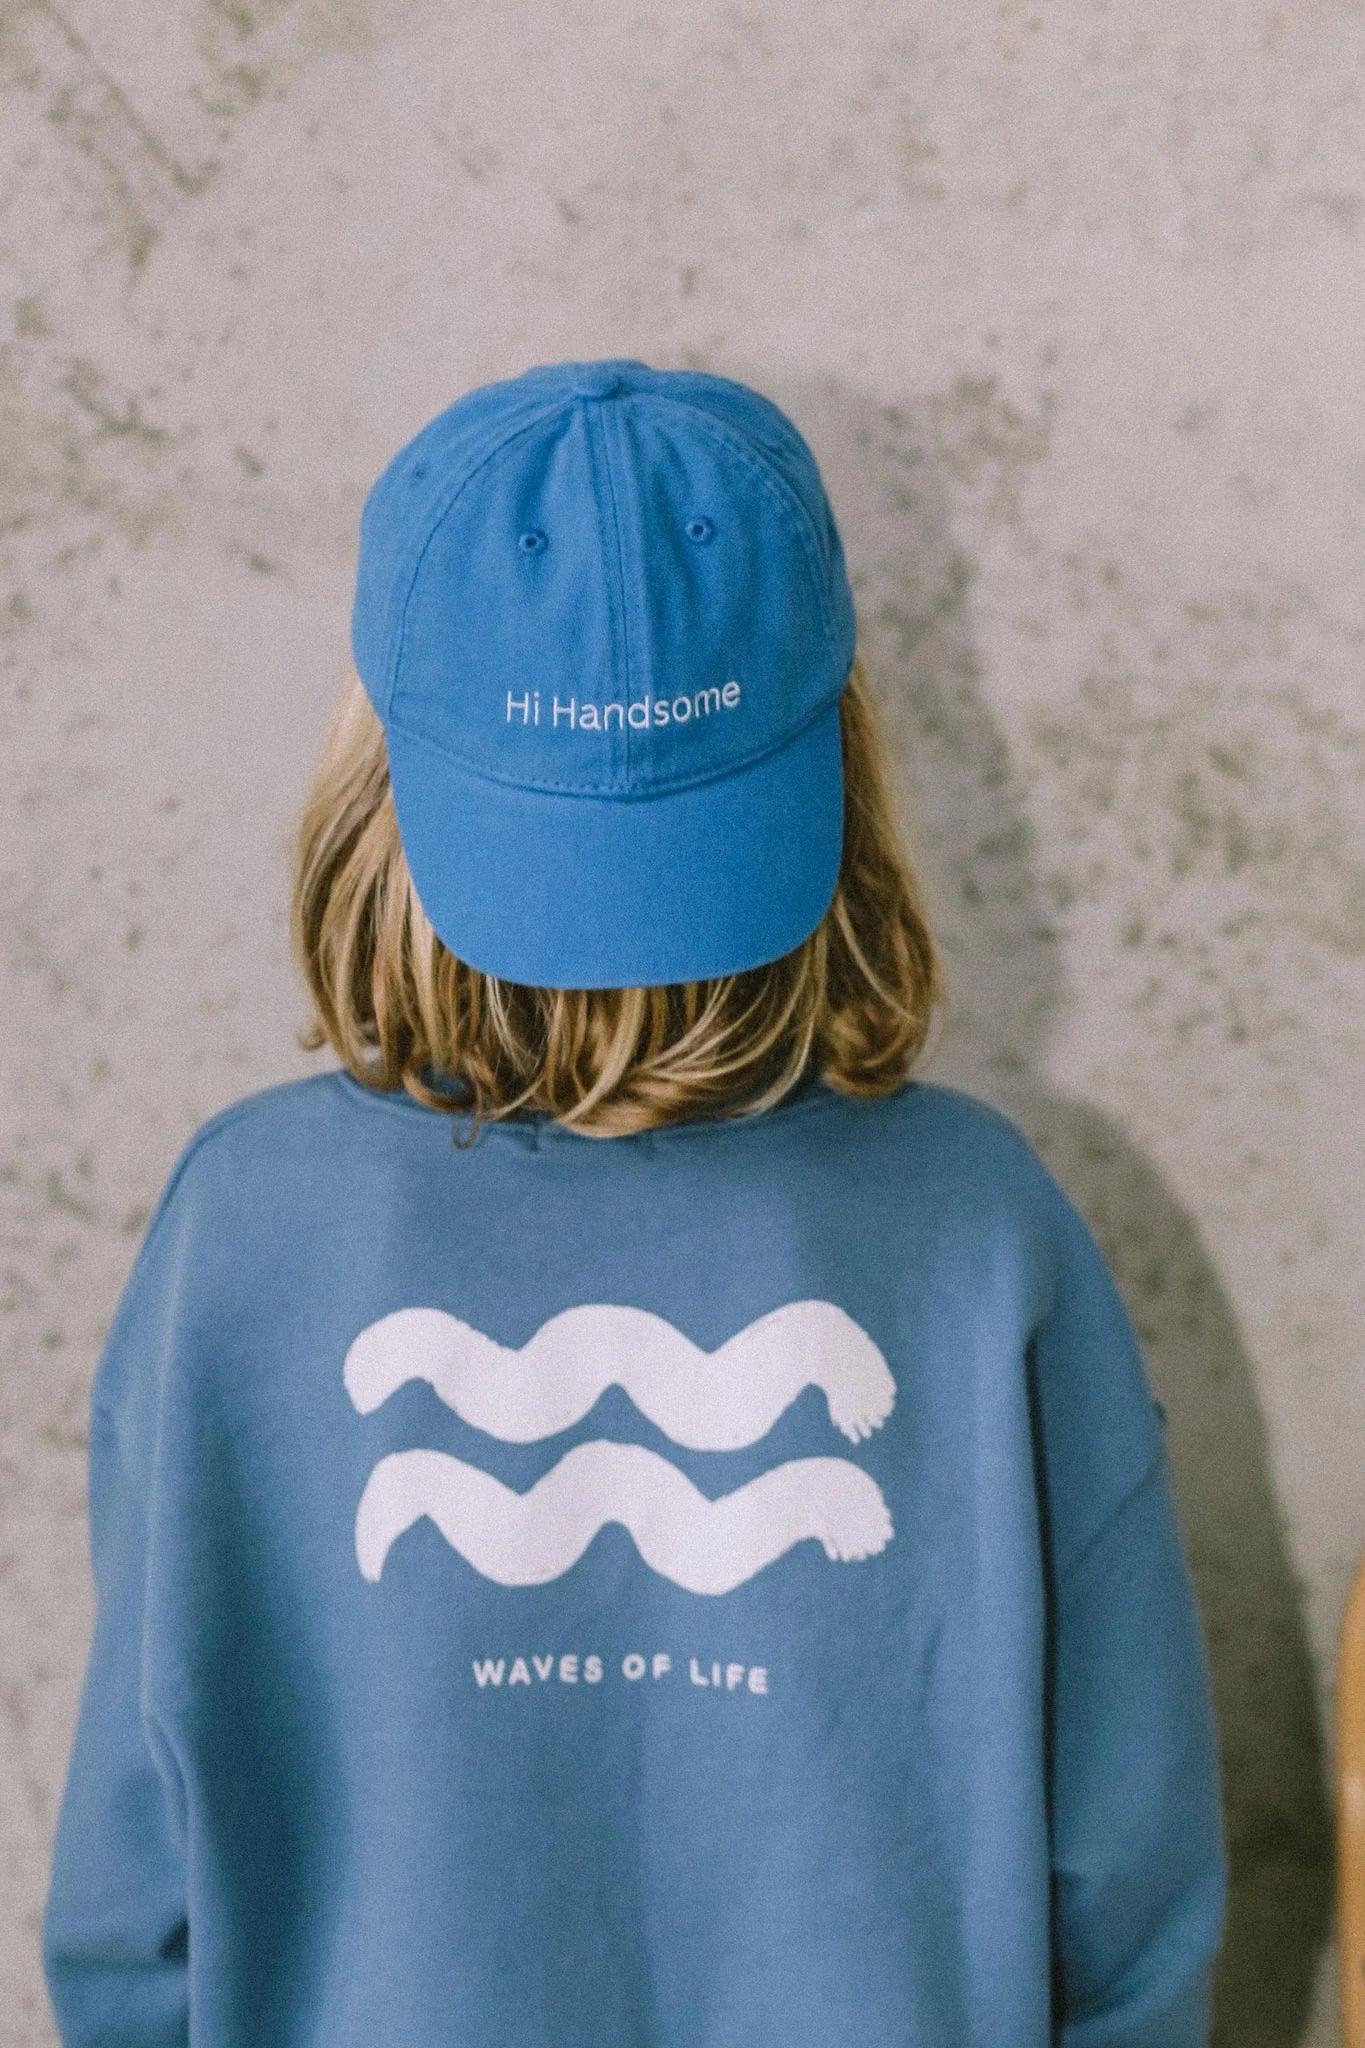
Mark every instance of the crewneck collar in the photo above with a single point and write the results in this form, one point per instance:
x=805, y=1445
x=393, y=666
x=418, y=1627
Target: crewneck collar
x=808, y=1091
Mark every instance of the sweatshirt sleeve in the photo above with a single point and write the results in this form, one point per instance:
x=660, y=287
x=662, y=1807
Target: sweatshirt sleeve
x=1138, y=1863
x=1139, y=1872
x=115, y=1926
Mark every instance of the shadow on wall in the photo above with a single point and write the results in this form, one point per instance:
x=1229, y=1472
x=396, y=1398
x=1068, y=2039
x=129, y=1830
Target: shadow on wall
x=893, y=475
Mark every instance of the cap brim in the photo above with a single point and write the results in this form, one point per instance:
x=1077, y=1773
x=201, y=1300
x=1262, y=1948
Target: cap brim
x=570, y=891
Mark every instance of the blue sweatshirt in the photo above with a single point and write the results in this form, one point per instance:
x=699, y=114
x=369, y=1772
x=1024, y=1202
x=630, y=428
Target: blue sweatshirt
x=709, y=1588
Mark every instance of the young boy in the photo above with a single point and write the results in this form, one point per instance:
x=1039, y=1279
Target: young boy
x=715, y=1587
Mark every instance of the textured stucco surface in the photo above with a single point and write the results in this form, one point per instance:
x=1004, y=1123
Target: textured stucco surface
x=1069, y=302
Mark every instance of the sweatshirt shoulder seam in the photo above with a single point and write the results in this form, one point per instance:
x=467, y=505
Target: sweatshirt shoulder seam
x=1116, y=1513
x=193, y=1145
x=230, y=1113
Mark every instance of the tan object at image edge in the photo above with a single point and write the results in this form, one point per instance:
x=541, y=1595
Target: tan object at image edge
x=1351, y=1813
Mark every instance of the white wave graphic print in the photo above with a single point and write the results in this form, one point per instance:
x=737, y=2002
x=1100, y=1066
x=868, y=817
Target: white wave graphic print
x=704, y=1546
x=716, y=1400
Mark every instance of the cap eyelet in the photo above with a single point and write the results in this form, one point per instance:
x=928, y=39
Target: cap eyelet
x=416, y=475
x=531, y=543
x=699, y=528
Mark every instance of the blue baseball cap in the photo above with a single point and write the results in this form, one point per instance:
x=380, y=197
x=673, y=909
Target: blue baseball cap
x=602, y=613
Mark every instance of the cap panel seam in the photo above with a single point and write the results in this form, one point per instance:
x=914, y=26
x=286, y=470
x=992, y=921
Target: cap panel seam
x=497, y=448
x=392, y=479
x=598, y=791
x=783, y=425
x=622, y=621
x=611, y=427
x=779, y=490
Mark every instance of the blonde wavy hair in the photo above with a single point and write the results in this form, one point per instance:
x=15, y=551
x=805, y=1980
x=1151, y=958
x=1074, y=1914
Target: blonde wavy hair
x=854, y=1002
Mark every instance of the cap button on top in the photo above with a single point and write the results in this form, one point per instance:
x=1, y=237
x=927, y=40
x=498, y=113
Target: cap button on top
x=596, y=384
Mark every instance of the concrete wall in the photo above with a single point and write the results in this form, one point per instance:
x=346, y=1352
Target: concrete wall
x=1069, y=301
